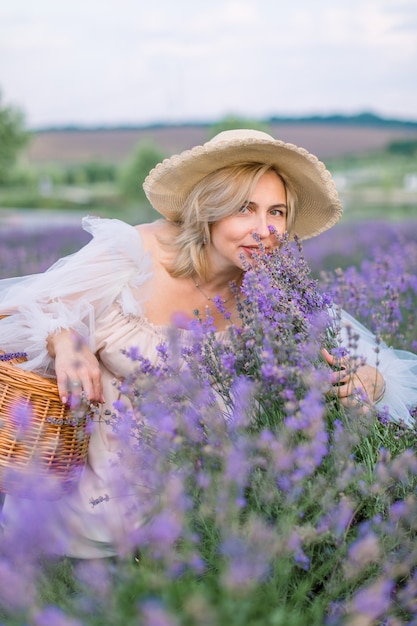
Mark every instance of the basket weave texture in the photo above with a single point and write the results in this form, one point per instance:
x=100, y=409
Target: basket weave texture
x=37, y=430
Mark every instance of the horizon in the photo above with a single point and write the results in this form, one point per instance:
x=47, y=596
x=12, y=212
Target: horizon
x=361, y=118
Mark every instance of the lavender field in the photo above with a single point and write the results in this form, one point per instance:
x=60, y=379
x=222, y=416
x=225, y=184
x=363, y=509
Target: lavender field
x=288, y=509
x=377, y=257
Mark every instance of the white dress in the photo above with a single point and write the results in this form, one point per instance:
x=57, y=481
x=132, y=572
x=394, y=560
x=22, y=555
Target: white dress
x=99, y=291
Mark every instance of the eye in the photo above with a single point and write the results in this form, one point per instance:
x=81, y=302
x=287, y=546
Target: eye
x=278, y=212
x=244, y=209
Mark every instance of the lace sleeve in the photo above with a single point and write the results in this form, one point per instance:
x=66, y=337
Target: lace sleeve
x=74, y=291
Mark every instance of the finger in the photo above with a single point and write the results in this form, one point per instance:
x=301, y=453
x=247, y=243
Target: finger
x=340, y=391
x=75, y=390
x=345, y=387
x=97, y=385
x=340, y=377
x=92, y=384
x=69, y=391
x=336, y=362
x=349, y=399
x=328, y=357
x=63, y=387
x=350, y=402
x=350, y=388
x=99, y=395
x=93, y=389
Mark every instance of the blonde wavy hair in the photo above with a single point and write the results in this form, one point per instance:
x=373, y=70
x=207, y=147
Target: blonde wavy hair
x=218, y=195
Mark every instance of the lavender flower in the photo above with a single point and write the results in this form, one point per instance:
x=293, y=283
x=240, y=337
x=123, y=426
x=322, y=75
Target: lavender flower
x=53, y=616
x=154, y=614
x=247, y=491
x=372, y=601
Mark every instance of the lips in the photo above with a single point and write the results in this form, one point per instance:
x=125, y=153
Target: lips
x=251, y=249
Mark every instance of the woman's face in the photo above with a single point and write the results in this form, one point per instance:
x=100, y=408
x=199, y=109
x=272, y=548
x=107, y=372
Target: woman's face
x=232, y=236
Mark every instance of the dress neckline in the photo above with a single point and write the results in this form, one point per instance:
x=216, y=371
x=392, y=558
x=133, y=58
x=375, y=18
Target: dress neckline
x=165, y=329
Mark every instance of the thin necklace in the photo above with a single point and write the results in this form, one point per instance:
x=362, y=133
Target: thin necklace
x=224, y=301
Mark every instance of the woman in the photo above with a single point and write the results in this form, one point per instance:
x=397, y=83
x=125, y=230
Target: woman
x=128, y=285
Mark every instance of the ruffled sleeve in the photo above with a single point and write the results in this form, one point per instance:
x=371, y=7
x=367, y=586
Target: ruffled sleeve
x=74, y=291
x=398, y=367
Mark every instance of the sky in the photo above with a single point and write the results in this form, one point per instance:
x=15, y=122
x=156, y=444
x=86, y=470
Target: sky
x=116, y=62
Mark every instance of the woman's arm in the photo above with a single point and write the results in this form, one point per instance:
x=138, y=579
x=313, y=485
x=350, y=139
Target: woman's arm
x=395, y=391
x=73, y=294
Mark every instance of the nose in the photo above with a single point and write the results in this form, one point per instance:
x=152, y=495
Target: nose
x=262, y=227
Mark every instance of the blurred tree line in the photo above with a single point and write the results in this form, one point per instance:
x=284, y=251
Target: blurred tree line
x=108, y=184
x=13, y=137
x=406, y=147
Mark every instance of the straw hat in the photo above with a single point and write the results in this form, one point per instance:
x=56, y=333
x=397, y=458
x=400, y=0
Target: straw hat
x=318, y=206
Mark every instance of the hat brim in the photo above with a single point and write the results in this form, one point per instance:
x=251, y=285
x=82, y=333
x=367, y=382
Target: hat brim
x=318, y=206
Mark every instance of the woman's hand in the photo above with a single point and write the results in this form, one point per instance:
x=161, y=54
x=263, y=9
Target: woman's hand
x=77, y=369
x=355, y=385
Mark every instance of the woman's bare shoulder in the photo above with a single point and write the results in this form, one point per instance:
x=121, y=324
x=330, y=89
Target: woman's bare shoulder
x=154, y=233
x=152, y=229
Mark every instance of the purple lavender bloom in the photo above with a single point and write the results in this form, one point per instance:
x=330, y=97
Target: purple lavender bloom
x=374, y=600
x=54, y=616
x=399, y=510
x=295, y=546
x=17, y=585
x=30, y=523
x=154, y=614
x=246, y=559
x=381, y=288
x=302, y=560
x=338, y=518
x=97, y=575
x=134, y=354
x=364, y=551
x=161, y=532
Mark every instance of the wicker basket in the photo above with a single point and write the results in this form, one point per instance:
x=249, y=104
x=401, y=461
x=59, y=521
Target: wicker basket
x=37, y=430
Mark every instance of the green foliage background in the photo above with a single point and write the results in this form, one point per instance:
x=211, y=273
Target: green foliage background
x=372, y=185
x=13, y=137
